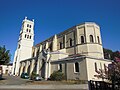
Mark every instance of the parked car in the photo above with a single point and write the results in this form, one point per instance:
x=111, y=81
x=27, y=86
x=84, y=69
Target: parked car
x=25, y=76
x=38, y=78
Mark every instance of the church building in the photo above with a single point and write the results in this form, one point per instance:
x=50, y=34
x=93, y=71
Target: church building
x=77, y=52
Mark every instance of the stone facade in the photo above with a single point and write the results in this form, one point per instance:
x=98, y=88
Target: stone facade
x=25, y=44
x=75, y=51
x=7, y=69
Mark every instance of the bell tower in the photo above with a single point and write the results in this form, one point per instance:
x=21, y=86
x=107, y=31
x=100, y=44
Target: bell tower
x=25, y=44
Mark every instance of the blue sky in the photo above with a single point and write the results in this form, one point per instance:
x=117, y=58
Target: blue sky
x=54, y=16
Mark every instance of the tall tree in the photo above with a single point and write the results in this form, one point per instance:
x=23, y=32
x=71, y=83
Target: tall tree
x=4, y=55
x=108, y=54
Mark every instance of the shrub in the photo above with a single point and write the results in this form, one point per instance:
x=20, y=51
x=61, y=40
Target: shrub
x=33, y=75
x=57, y=76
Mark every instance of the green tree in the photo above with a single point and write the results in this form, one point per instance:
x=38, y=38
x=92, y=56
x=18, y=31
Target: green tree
x=114, y=73
x=4, y=55
x=108, y=54
x=116, y=54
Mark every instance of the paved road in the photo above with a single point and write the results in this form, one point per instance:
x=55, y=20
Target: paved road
x=16, y=83
x=13, y=80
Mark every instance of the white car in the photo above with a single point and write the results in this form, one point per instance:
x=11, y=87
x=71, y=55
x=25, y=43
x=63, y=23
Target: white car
x=38, y=78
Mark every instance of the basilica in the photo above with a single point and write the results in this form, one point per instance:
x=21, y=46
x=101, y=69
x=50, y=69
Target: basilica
x=77, y=52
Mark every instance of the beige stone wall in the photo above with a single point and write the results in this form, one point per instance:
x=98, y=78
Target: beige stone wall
x=86, y=68
x=92, y=49
x=91, y=67
x=80, y=32
x=81, y=75
x=54, y=67
x=69, y=70
x=7, y=69
x=68, y=36
x=60, y=40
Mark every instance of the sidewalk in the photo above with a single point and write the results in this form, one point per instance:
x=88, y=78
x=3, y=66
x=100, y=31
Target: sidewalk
x=54, y=87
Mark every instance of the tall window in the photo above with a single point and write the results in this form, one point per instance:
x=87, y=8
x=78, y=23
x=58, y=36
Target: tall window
x=63, y=41
x=27, y=25
x=60, y=45
x=95, y=66
x=76, y=67
x=50, y=46
x=91, y=38
x=98, y=39
x=60, y=67
x=25, y=35
x=70, y=42
x=30, y=26
x=44, y=46
x=30, y=37
x=18, y=46
x=29, y=30
x=82, y=39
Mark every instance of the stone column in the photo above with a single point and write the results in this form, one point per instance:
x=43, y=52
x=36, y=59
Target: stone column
x=26, y=66
x=48, y=65
x=46, y=70
x=40, y=48
x=46, y=45
x=21, y=69
x=38, y=66
x=49, y=68
x=55, y=43
x=32, y=65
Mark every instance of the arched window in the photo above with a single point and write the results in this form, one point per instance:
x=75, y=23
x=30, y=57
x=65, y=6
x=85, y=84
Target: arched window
x=82, y=39
x=91, y=38
x=95, y=66
x=30, y=26
x=105, y=68
x=70, y=42
x=50, y=46
x=30, y=37
x=25, y=35
x=98, y=39
x=18, y=46
x=60, y=45
x=27, y=25
x=76, y=67
x=29, y=30
x=44, y=46
x=60, y=67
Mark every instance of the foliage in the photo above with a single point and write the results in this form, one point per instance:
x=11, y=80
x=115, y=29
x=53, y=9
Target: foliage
x=109, y=54
x=114, y=72
x=102, y=73
x=33, y=75
x=4, y=55
x=57, y=76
